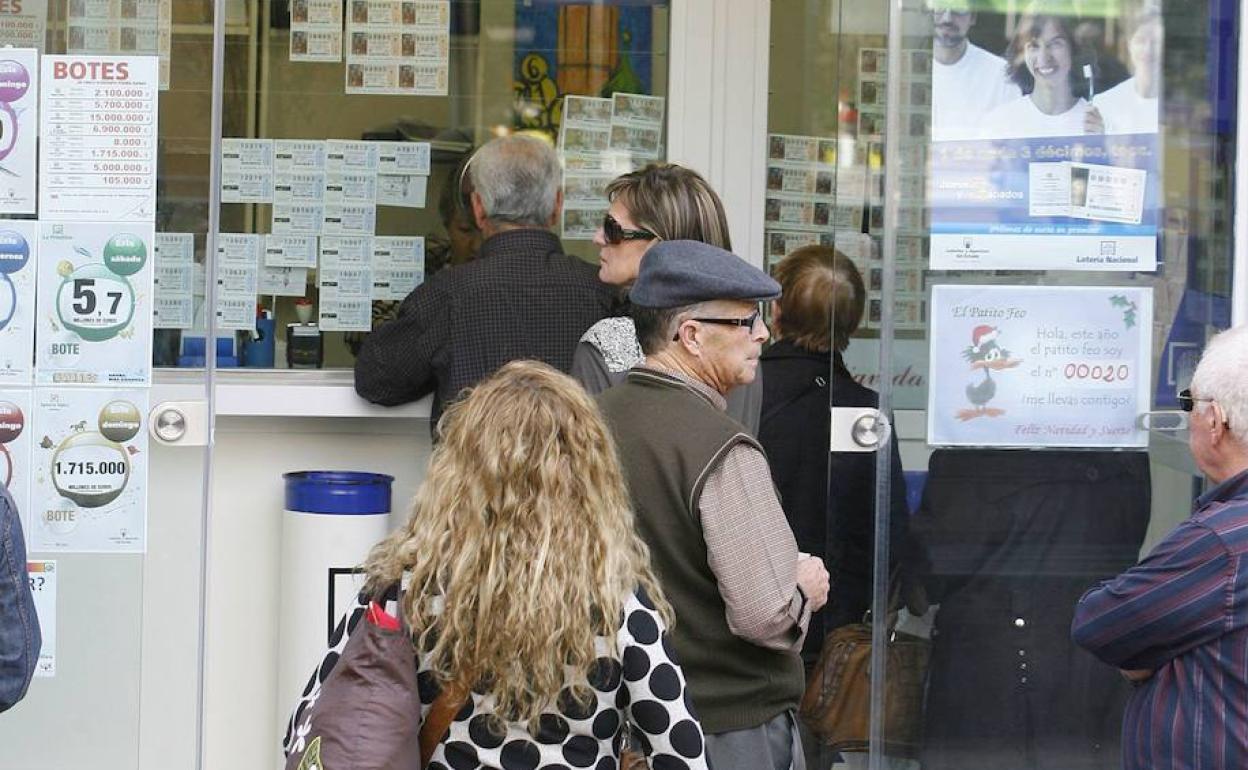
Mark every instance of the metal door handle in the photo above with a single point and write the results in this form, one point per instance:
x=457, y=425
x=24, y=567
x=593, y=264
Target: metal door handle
x=1167, y=421
x=179, y=423
x=858, y=429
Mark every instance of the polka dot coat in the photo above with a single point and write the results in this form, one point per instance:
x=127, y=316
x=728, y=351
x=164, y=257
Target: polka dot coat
x=635, y=680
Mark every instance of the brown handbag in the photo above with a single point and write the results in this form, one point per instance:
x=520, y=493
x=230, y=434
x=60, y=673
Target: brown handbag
x=366, y=715
x=837, y=703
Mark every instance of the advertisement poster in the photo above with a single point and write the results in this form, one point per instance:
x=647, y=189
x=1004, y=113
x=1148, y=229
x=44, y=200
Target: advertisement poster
x=19, y=121
x=89, y=492
x=1039, y=366
x=1053, y=162
x=94, y=324
x=42, y=576
x=22, y=23
x=19, y=251
x=97, y=125
x=15, y=434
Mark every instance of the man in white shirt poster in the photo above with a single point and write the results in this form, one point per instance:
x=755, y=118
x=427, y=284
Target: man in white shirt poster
x=967, y=81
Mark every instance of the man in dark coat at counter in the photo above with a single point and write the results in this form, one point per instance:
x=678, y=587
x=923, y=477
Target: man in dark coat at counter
x=1176, y=624
x=522, y=298
x=741, y=591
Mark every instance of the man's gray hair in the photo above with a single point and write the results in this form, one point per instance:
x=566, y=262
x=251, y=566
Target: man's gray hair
x=517, y=178
x=1222, y=375
x=656, y=326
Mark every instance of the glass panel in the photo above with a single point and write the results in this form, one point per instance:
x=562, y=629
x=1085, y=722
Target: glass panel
x=1046, y=249
x=318, y=254
x=118, y=590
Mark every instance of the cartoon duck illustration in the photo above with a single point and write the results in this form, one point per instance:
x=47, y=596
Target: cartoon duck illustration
x=986, y=354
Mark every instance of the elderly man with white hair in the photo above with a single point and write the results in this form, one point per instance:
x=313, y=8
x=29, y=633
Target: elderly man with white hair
x=522, y=297
x=1176, y=624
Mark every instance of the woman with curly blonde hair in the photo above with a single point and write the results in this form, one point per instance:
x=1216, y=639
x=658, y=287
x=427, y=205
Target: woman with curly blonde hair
x=526, y=583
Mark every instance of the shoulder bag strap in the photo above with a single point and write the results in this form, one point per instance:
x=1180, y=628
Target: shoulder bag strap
x=438, y=720
x=816, y=383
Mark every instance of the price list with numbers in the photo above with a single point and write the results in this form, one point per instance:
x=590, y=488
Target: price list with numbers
x=97, y=160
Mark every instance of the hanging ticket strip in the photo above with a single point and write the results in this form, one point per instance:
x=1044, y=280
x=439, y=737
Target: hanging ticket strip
x=324, y=196
x=599, y=139
x=123, y=27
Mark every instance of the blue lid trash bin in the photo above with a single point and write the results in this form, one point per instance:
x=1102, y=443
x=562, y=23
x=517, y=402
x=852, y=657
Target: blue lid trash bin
x=332, y=520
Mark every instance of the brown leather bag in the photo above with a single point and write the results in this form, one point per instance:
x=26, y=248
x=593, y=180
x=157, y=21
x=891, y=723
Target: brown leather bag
x=441, y=713
x=837, y=703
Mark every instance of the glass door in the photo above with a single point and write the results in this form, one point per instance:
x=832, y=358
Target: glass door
x=107, y=456
x=1026, y=217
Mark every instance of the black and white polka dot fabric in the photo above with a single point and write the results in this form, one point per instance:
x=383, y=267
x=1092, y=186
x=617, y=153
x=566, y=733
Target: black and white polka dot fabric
x=640, y=683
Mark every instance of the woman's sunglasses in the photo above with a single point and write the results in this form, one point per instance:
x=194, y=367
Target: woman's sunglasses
x=615, y=234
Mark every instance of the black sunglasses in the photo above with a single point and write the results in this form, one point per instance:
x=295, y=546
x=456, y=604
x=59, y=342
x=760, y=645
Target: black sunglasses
x=1187, y=402
x=748, y=322
x=615, y=234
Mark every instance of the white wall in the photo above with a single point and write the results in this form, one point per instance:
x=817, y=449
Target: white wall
x=250, y=457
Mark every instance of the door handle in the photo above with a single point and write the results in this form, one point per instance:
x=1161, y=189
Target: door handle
x=858, y=429
x=179, y=423
x=1167, y=421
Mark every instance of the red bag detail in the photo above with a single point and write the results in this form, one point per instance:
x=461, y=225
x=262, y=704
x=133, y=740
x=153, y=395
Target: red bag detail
x=380, y=618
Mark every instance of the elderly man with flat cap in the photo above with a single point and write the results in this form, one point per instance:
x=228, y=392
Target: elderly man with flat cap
x=705, y=504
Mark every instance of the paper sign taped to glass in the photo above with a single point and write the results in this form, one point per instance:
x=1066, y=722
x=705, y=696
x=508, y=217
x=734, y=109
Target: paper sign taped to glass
x=89, y=487
x=1039, y=366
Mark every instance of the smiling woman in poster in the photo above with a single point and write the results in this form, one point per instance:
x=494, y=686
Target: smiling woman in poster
x=1131, y=107
x=1044, y=61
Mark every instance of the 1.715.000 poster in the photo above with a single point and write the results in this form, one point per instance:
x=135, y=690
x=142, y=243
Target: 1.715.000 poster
x=89, y=491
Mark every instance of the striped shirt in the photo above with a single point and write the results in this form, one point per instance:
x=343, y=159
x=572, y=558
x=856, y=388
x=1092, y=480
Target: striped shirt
x=1183, y=613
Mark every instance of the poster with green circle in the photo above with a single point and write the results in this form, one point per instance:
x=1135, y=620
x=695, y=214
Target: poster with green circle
x=89, y=461
x=95, y=298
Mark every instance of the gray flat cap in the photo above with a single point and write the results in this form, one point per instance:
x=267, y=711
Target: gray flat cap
x=678, y=273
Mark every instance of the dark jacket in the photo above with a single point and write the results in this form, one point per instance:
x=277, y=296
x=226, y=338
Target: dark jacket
x=19, y=627
x=1013, y=539
x=522, y=298
x=794, y=430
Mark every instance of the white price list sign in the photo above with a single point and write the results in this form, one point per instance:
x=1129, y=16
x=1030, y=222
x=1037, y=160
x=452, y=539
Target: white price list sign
x=97, y=119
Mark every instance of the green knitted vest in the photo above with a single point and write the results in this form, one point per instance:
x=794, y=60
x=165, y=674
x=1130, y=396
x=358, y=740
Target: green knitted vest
x=669, y=438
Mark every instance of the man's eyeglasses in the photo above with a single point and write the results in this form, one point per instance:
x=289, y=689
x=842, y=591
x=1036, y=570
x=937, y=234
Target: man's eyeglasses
x=748, y=322
x=615, y=234
x=1187, y=402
